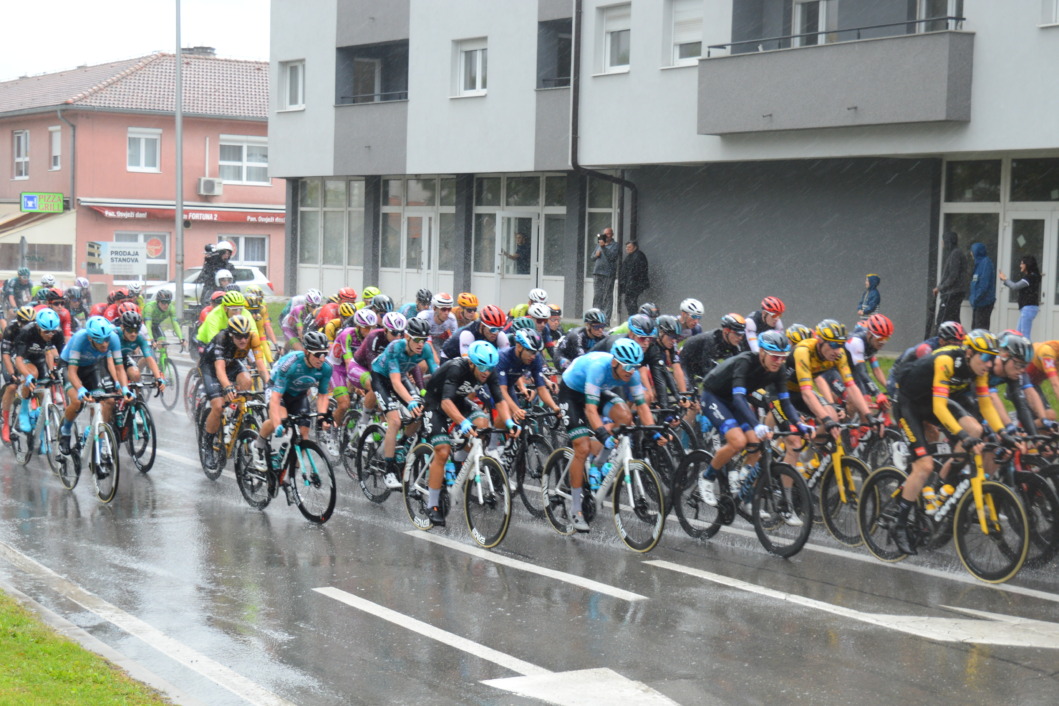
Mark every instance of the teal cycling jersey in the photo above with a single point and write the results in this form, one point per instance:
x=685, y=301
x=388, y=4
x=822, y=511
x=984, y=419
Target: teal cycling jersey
x=292, y=375
x=591, y=373
x=140, y=342
x=396, y=359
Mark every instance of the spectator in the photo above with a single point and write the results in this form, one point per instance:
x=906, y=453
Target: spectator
x=217, y=257
x=870, y=300
x=521, y=256
x=604, y=271
x=634, y=279
x=1029, y=288
x=983, y=287
x=954, y=277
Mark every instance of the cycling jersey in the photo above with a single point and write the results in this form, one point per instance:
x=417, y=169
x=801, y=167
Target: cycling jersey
x=345, y=344
x=1016, y=395
x=862, y=355
x=755, y=325
x=7, y=343
x=129, y=348
x=518, y=310
x=658, y=361
x=458, y=344
x=396, y=359
x=298, y=316
x=372, y=346
x=804, y=363
x=511, y=368
x=939, y=376
x=591, y=374
x=909, y=356
x=98, y=309
x=575, y=344
x=223, y=347
x=21, y=291
x=687, y=332
x=80, y=352
x=1043, y=363
x=727, y=387
x=704, y=351
x=324, y=314
x=455, y=380
x=31, y=345
x=65, y=322
x=292, y=375
x=155, y=318
x=214, y=323
x=439, y=332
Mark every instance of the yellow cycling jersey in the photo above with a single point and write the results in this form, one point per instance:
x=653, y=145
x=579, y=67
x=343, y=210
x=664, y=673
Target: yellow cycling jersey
x=942, y=374
x=1043, y=363
x=804, y=363
x=332, y=327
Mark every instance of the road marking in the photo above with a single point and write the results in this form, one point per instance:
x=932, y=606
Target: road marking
x=997, y=629
x=196, y=661
x=566, y=688
x=480, y=553
x=226, y=473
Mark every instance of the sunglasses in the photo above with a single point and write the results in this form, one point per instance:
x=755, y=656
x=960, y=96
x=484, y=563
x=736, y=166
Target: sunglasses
x=835, y=344
x=642, y=339
x=494, y=329
x=417, y=339
x=778, y=356
x=241, y=336
x=696, y=318
x=444, y=308
x=470, y=311
x=630, y=367
x=597, y=327
x=317, y=354
x=483, y=369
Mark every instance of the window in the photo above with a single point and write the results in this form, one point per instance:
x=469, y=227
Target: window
x=813, y=18
x=39, y=256
x=554, y=53
x=1049, y=12
x=144, y=149
x=157, y=253
x=244, y=159
x=472, y=67
x=972, y=181
x=615, y=22
x=250, y=251
x=293, y=79
x=1035, y=179
x=55, y=136
x=687, y=32
x=941, y=10
x=371, y=73
x=20, y=150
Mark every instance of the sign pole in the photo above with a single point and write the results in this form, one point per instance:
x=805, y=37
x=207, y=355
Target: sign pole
x=178, y=285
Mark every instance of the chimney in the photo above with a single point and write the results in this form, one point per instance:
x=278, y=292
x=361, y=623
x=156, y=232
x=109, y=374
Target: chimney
x=201, y=51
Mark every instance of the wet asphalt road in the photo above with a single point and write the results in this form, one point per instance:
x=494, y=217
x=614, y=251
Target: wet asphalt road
x=230, y=605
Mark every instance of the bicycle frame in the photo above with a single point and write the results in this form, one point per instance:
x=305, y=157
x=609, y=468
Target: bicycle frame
x=974, y=483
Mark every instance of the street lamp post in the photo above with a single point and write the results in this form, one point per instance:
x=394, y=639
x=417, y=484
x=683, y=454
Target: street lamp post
x=178, y=285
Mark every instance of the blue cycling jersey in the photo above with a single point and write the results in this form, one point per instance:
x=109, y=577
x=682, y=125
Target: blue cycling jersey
x=396, y=359
x=591, y=374
x=511, y=368
x=80, y=351
x=408, y=310
x=129, y=347
x=291, y=375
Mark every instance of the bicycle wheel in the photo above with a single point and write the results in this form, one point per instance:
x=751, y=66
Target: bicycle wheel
x=782, y=510
x=193, y=389
x=998, y=554
x=528, y=468
x=555, y=490
x=839, y=517
x=639, y=506
x=21, y=442
x=1042, y=509
x=698, y=519
x=50, y=437
x=256, y=486
x=414, y=486
x=487, y=503
x=212, y=467
x=103, y=463
x=69, y=469
x=312, y=481
x=688, y=436
x=141, y=441
x=171, y=394
x=663, y=461
x=370, y=466
x=877, y=512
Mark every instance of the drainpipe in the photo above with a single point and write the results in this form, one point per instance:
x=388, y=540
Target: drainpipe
x=73, y=155
x=575, y=114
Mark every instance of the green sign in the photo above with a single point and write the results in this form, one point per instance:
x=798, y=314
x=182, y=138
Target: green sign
x=42, y=203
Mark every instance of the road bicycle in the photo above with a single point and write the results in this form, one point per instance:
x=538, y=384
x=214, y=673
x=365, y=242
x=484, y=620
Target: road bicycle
x=168, y=367
x=363, y=458
x=631, y=488
x=246, y=411
x=97, y=447
x=297, y=465
x=524, y=457
x=838, y=492
x=46, y=418
x=135, y=427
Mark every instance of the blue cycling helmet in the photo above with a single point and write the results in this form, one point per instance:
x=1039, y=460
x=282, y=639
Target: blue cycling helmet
x=484, y=356
x=48, y=320
x=642, y=325
x=98, y=328
x=774, y=341
x=627, y=352
x=530, y=340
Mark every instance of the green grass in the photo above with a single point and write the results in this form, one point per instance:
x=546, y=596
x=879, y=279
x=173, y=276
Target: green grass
x=37, y=666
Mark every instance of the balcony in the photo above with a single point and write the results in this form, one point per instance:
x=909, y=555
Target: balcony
x=371, y=138
x=913, y=78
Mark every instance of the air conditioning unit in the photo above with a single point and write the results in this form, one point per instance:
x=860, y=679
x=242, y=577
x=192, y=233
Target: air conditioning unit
x=210, y=187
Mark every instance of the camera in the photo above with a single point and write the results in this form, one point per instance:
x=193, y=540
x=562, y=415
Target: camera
x=600, y=237
x=209, y=248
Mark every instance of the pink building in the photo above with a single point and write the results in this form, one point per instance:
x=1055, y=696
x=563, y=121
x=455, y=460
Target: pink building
x=104, y=137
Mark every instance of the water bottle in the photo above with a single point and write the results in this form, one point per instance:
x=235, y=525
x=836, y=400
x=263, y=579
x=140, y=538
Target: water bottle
x=930, y=500
x=944, y=493
x=704, y=424
x=450, y=473
x=400, y=454
x=33, y=415
x=595, y=477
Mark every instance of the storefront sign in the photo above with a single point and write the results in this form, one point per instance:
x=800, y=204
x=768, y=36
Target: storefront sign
x=117, y=258
x=131, y=213
x=37, y=202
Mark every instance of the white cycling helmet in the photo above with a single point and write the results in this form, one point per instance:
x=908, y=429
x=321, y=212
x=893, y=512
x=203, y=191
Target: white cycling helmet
x=47, y=281
x=691, y=306
x=442, y=300
x=314, y=297
x=135, y=289
x=538, y=295
x=539, y=311
x=224, y=245
x=81, y=282
x=223, y=274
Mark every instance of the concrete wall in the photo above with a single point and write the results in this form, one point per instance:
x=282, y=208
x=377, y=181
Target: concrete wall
x=371, y=138
x=552, y=136
x=371, y=22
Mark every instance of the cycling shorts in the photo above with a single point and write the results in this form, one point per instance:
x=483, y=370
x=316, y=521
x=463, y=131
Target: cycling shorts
x=94, y=377
x=298, y=403
x=213, y=385
x=438, y=423
x=572, y=403
x=912, y=415
x=799, y=403
x=720, y=415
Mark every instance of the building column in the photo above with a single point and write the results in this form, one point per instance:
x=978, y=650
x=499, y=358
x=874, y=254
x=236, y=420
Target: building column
x=372, y=228
x=574, y=245
x=464, y=241
x=291, y=284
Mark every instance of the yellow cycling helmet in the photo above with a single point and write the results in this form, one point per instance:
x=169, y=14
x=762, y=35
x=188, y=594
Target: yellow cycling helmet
x=254, y=300
x=240, y=324
x=346, y=309
x=831, y=331
x=369, y=293
x=25, y=314
x=466, y=300
x=233, y=299
x=796, y=333
x=982, y=341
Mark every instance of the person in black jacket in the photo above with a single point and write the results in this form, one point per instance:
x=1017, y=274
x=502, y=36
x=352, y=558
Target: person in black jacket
x=1028, y=285
x=954, y=279
x=217, y=259
x=634, y=278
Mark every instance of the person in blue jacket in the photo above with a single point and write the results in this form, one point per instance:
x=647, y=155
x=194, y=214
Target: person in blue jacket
x=870, y=300
x=983, y=287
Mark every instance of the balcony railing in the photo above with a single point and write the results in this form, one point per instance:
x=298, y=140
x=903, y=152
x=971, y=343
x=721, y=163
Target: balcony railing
x=373, y=97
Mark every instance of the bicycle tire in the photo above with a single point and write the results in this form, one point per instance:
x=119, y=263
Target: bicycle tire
x=999, y=555
x=698, y=520
x=142, y=438
x=528, y=468
x=1041, y=503
x=69, y=471
x=213, y=472
x=775, y=503
x=841, y=518
x=370, y=466
x=192, y=385
x=555, y=490
x=663, y=462
x=256, y=486
x=487, y=503
x=312, y=481
x=877, y=511
x=414, y=486
x=50, y=437
x=104, y=464
x=639, y=506
x=21, y=442
x=171, y=394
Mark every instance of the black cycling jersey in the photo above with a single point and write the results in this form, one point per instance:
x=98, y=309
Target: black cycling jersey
x=31, y=344
x=7, y=344
x=455, y=380
x=658, y=359
x=705, y=351
x=1016, y=395
x=22, y=291
x=735, y=378
x=575, y=343
x=917, y=380
x=222, y=347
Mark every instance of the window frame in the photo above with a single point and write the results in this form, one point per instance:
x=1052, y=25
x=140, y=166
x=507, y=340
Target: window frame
x=825, y=22
x=613, y=20
x=55, y=141
x=688, y=13
x=289, y=69
x=145, y=135
x=464, y=48
x=1049, y=13
x=20, y=154
x=244, y=142
x=239, y=241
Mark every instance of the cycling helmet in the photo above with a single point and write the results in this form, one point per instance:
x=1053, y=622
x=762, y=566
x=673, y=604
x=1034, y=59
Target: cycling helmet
x=365, y=318
x=523, y=323
x=222, y=274
x=347, y=294
x=649, y=309
x=773, y=305
x=314, y=341
x=216, y=297
x=135, y=289
x=797, y=333
x=982, y=341
x=774, y=341
x=163, y=295
x=346, y=309
x=224, y=245
x=41, y=295
x=424, y=296
x=831, y=331
x=692, y=307
x=381, y=303
x=314, y=297
x=627, y=352
x=47, y=281
x=492, y=315
x=668, y=324
x=442, y=300
x=26, y=313
x=1017, y=345
x=131, y=320
x=467, y=300
x=734, y=322
x=879, y=326
x=81, y=282
x=538, y=296
x=233, y=287
x=98, y=328
x=121, y=293
x=417, y=328
x=530, y=340
x=233, y=299
x=484, y=356
x=595, y=316
x=951, y=331
x=642, y=325
x=53, y=295
x=254, y=300
x=394, y=322
x=333, y=299
x=126, y=306
x=370, y=293
x=556, y=309
x=47, y=320
x=539, y=311
x=23, y=272
x=241, y=324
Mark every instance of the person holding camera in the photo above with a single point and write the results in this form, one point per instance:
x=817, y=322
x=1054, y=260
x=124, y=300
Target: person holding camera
x=604, y=270
x=217, y=257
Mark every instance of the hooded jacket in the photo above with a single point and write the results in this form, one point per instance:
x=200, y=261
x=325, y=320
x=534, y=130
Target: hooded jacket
x=983, y=280
x=869, y=301
x=955, y=275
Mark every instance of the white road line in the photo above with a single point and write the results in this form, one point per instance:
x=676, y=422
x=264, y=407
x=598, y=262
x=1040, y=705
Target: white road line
x=452, y=640
x=227, y=472
x=531, y=568
x=196, y=661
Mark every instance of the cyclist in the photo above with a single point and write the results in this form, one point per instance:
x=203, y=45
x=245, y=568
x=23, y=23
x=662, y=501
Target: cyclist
x=442, y=322
x=524, y=359
x=255, y=306
x=950, y=333
x=536, y=296
x=641, y=329
x=691, y=318
x=329, y=311
x=136, y=294
x=1009, y=369
x=704, y=351
x=359, y=374
x=132, y=339
x=665, y=381
x=53, y=299
x=35, y=351
x=555, y=324
x=647, y=309
x=422, y=302
x=381, y=304
x=1043, y=367
x=466, y=309
x=868, y=337
x=368, y=296
x=578, y=341
x=488, y=327
x=46, y=282
x=346, y=373
x=76, y=305
x=541, y=315
x=18, y=291
x=85, y=286
x=765, y=318
x=11, y=376
x=343, y=320
x=932, y=390
x=585, y=397
x=158, y=312
x=447, y=400
x=300, y=316
x=232, y=304
x=387, y=382
x=93, y=363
